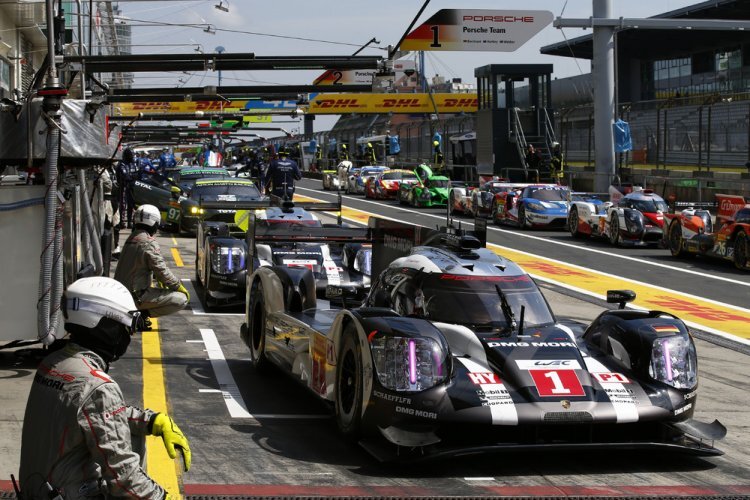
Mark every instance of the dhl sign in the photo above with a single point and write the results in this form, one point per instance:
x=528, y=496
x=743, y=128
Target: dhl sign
x=133, y=108
x=337, y=104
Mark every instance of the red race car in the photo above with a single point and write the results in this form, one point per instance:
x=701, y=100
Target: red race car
x=386, y=184
x=692, y=232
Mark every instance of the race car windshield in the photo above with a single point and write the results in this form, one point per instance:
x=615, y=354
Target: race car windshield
x=437, y=183
x=475, y=301
x=548, y=194
x=498, y=189
x=648, y=206
x=225, y=192
x=391, y=176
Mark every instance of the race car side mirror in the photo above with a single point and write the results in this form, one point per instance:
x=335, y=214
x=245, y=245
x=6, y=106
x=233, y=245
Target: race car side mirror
x=621, y=297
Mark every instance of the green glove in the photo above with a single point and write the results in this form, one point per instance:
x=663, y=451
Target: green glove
x=182, y=289
x=173, y=438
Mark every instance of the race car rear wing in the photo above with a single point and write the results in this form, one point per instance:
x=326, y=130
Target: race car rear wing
x=392, y=239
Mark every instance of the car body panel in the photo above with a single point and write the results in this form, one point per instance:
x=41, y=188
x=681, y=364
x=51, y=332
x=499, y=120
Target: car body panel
x=387, y=184
x=192, y=213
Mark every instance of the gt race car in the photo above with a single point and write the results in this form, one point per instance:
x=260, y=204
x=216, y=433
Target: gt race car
x=692, y=232
x=430, y=190
x=483, y=200
x=386, y=184
x=161, y=192
x=455, y=350
x=358, y=178
x=186, y=177
x=330, y=179
x=193, y=209
x=636, y=219
x=535, y=206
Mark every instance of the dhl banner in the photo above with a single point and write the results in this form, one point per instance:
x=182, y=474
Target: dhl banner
x=477, y=30
x=133, y=108
x=338, y=104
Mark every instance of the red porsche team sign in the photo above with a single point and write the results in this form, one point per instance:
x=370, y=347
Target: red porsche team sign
x=477, y=30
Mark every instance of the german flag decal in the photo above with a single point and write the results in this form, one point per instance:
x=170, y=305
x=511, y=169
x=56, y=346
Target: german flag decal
x=666, y=328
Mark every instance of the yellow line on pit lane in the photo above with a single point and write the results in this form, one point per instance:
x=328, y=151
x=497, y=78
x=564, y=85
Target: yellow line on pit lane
x=722, y=319
x=160, y=467
x=176, y=257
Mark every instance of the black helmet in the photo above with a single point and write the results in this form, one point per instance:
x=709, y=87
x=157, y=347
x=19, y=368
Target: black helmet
x=127, y=155
x=282, y=152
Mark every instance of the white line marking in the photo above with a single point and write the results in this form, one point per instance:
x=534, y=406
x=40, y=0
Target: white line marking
x=210, y=390
x=230, y=391
x=281, y=416
x=194, y=341
x=548, y=241
x=479, y=479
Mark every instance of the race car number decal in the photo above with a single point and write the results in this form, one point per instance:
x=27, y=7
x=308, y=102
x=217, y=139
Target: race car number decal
x=300, y=263
x=610, y=378
x=553, y=383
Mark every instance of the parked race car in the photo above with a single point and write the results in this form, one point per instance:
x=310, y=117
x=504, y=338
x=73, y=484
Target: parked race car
x=330, y=179
x=455, y=350
x=635, y=219
x=430, y=190
x=358, y=178
x=533, y=206
x=193, y=208
x=161, y=192
x=692, y=232
x=186, y=177
x=481, y=201
x=386, y=184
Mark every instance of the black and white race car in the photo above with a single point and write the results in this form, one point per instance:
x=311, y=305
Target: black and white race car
x=279, y=235
x=455, y=350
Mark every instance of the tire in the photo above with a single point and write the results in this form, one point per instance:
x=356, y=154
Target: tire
x=451, y=203
x=493, y=208
x=256, y=330
x=205, y=295
x=197, y=274
x=474, y=211
x=614, y=231
x=675, y=240
x=412, y=199
x=741, y=251
x=522, y=216
x=349, y=382
x=573, y=223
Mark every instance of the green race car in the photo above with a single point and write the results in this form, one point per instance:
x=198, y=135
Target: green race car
x=429, y=191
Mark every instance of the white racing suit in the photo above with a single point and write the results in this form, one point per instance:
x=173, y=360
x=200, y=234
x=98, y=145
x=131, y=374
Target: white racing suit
x=139, y=261
x=79, y=435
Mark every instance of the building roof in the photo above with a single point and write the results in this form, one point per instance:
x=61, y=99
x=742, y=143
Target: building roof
x=654, y=43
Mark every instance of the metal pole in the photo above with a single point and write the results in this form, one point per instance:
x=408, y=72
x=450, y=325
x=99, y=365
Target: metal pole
x=664, y=139
x=591, y=130
x=708, y=140
x=700, y=138
x=656, y=136
x=603, y=73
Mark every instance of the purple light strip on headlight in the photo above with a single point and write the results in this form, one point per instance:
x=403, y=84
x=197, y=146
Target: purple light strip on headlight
x=229, y=260
x=412, y=361
x=667, y=359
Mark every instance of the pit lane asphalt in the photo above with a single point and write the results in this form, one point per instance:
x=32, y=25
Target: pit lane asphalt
x=286, y=443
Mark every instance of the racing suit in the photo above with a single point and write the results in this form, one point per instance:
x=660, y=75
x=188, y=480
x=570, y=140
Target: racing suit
x=166, y=160
x=141, y=259
x=80, y=436
x=281, y=175
x=127, y=174
x=343, y=171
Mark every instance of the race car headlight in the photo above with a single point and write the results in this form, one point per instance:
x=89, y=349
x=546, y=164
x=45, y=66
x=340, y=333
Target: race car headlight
x=227, y=260
x=196, y=210
x=674, y=361
x=535, y=207
x=633, y=221
x=425, y=194
x=409, y=363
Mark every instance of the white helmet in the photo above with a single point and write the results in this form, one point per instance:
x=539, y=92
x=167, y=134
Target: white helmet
x=87, y=300
x=147, y=215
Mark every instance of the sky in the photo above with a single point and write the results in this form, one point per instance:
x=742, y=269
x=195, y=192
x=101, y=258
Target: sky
x=347, y=23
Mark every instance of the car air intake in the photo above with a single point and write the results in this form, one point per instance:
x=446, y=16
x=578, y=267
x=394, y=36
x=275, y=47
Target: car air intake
x=565, y=417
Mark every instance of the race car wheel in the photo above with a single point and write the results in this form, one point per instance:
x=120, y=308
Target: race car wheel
x=349, y=385
x=741, y=251
x=614, y=231
x=197, y=273
x=452, y=203
x=522, y=216
x=412, y=199
x=493, y=208
x=573, y=223
x=474, y=210
x=257, y=329
x=676, y=241
x=207, y=296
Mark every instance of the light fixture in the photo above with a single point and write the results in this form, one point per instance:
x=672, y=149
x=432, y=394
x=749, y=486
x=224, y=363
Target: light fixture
x=221, y=6
x=209, y=29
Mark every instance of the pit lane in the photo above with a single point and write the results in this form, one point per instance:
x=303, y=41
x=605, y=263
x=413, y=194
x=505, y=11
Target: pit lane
x=257, y=435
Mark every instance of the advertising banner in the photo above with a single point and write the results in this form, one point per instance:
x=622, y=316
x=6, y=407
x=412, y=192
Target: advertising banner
x=477, y=30
x=349, y=77
x=337, y=104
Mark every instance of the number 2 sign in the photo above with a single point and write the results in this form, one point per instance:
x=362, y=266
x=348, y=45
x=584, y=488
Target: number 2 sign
x=557, y=383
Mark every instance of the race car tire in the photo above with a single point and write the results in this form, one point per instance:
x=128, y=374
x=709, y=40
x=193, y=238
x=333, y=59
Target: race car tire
x=522, y=216
x=207, y=305
x=401, y=200
x=452, y=203
x=197, y=274
x=614, y=231
x=573, y=223
x=257, y=329
x=741, y=251
x=493, y=208
x=675, y=240
x=349, y=382
x=474, y=210
x=412, y=199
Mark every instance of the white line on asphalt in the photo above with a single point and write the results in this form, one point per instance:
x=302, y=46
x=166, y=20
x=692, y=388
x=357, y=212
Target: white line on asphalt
x=561, y=243
x=209, y=390
x=194, y=341
x=230, y=391
x=280, y=416
x=479, y=479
